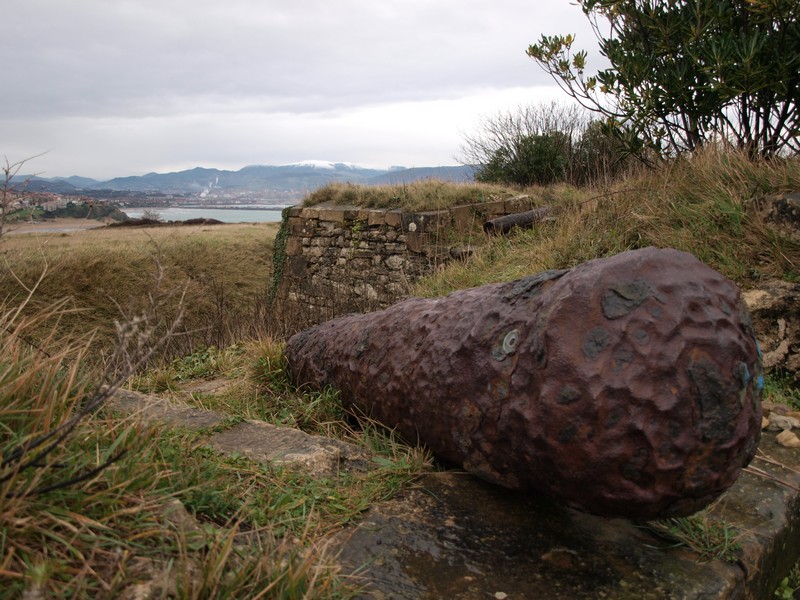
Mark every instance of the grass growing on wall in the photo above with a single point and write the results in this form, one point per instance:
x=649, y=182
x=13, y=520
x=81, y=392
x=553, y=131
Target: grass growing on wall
x=416, y=196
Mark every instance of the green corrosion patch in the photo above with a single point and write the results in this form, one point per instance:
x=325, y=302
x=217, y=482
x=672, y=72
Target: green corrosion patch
x=527, y=287
x=622, y=298
x=595, y=342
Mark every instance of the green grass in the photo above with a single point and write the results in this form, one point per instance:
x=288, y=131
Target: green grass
x=710, y=538
x=247, y=528
x=781, y=388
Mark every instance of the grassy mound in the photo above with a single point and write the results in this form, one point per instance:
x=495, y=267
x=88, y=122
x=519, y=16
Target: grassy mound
x=697, y=205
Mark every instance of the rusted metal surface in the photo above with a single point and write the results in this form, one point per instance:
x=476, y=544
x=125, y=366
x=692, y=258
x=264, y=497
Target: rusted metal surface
x=525, y=219
x=627, y=386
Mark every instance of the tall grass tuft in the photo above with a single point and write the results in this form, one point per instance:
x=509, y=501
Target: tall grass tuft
x=84, y=494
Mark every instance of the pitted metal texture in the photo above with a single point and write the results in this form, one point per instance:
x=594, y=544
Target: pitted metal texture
x=626, y=386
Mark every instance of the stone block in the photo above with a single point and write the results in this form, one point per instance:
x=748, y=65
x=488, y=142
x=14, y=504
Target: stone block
x=376, y=217
x=309, y=212
x=313, y=251
x=395, y=262
x=464, y=216
x=416, y=242
x=332, y=215
x=518, y=204
x=297, y=226
x=339, y=214
x=494, y=208
x=394, y=218
x=294, y=246
x=425, y=222
x=297, y=266
x=292, y=211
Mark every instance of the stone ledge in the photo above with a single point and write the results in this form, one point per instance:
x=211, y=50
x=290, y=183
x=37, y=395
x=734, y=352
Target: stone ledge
x=284, y=446
x=454, y=536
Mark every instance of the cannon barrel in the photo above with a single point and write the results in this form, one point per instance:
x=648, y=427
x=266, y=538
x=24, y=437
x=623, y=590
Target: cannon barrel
x=626, y=386
x=525, y=220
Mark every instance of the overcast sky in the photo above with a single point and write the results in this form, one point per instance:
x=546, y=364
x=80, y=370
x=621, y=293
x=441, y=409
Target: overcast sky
x=124, y=87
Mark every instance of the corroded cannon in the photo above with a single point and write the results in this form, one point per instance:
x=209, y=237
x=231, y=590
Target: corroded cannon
x=626, y=386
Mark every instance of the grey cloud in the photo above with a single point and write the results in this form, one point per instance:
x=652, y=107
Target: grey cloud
x=115, y=87
x=90, y=58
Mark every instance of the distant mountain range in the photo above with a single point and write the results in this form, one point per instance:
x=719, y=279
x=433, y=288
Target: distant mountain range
x=294, y=179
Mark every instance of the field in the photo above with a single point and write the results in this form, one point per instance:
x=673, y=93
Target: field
x=105, y=275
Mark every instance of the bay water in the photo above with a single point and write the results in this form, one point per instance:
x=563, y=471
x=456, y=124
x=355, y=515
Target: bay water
x=226, y=215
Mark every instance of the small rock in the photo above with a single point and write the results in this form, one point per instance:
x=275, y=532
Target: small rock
x=764, y=423
x=778, y=422
x=787, y=439
x=461, y=252
x=562, y=558
x=176, y=515
x=774, y=408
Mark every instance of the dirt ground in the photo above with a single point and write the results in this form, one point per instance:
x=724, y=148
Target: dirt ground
x=52, y=226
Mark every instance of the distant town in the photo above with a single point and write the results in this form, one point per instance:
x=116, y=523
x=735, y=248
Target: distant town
x=101, y=203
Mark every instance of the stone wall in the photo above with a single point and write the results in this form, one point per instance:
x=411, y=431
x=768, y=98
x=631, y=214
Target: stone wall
x=332, y=260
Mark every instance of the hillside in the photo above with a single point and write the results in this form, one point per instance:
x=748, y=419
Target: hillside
x=159, y=510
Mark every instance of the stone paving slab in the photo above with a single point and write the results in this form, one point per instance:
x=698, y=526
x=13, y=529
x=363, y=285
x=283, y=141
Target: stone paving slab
x=153, y=409
x=454, y=536
x=256, y=440
x=284, y=446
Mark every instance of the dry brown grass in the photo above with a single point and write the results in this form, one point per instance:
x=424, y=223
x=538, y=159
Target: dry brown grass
x=429, y=194
x=223, y=271
x=696, y=205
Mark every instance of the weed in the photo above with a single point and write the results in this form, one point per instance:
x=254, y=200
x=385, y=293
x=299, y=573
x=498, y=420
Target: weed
x=780, y=388
x=710, y=538
x=268, y=370
x=789, y=585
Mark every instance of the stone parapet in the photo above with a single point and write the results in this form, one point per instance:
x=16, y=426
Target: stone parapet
x=333, y=260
